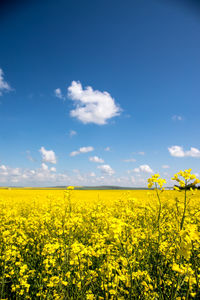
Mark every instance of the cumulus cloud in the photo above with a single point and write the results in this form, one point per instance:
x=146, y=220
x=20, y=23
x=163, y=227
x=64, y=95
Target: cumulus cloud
x=40, y=177
x=15, y=172
x=82, y=150
x=58, y=93
x=48, y=155
x=3, y=168
x=96, y=159
x=72, y=133
x=106, y=169
x=4, y=86
x=92, y=174
x=49, y=177
x=6, y=171
x=92, y=106
x=143, y=168
x=37, y=177
x=44, y=167
x=193, y=152
x=178, y=151
x=133, y=180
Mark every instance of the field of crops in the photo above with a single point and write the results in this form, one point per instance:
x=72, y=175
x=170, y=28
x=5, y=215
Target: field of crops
x=99, y=244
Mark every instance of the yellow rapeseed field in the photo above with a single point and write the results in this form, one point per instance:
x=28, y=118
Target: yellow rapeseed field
x=70, y=244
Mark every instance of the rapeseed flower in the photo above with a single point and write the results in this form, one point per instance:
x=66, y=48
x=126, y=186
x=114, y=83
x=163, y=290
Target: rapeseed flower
x=64, y=244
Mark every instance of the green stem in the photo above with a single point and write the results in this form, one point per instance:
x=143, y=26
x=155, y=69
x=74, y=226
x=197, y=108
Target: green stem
x=195, y=269
x=159, y=236
x=159, y=213
x=185, y=206
x=177, y=286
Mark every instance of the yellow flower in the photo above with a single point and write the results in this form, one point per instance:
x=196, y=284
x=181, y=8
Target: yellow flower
x=178, y=269
x=187, y=178
x=156, y=180
x=70, y=188
x=176, y=188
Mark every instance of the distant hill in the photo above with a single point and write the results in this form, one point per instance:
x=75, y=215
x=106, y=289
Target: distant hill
x=82, y=188
x=103, y=187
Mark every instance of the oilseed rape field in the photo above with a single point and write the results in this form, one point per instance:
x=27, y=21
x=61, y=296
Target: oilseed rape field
x=71, y=244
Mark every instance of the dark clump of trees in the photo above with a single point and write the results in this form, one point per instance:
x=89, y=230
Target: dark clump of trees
x=187, y=187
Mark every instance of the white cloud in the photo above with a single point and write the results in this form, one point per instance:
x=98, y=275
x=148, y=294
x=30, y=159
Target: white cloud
x=92, y=106
x=107, y=149
x=15, y=172
x=133, y=180
x=58, y=93
x=5, y=171
x=193, y=152
x=86, y=149
x=44, y=167
x=18, y=176
x=3, y=168
x=82, y=150
x=72, y=133
x=40, y=177
x=4, y=86
x=106, y=169
x=129, y=160
x=48, y=155
x=74, y=153
x=165, y=167
x=177, y=118
x=92, y=174
x=96, y=159
x=53, y=169
x=178, y=151
x=143, y=168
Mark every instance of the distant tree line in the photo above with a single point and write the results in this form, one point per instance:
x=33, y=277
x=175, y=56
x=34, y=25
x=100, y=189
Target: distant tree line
x=187, y=187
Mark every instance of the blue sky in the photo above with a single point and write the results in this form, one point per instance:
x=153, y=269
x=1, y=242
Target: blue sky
x=98, y=92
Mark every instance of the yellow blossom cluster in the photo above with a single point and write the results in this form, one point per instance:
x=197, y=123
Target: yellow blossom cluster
x=156, y=180
x=187, y=178
x=72, y=244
